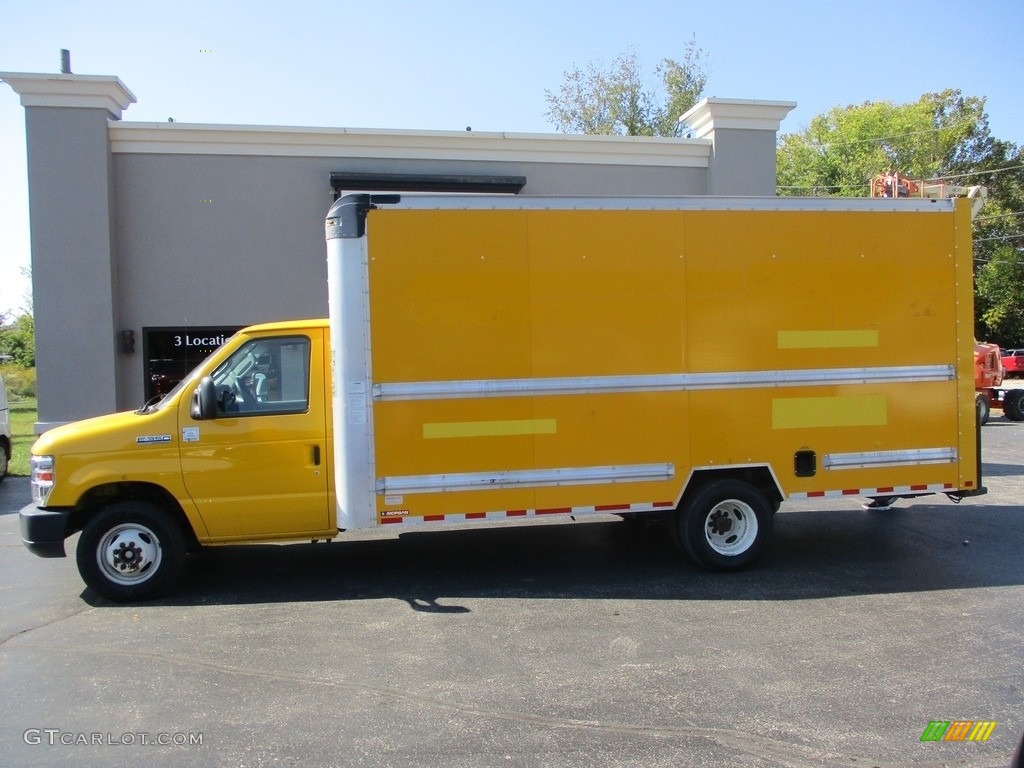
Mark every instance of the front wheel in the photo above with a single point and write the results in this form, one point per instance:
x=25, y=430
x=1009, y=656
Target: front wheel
x=981, y=403
x=724, y=525
x=131, y=550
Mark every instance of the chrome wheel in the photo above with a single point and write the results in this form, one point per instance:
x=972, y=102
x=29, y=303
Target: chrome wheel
x=730, y=527
x=724, y=524
x=129, y=553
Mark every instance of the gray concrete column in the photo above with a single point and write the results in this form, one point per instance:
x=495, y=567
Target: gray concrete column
x=74, y=270
x=743, y=134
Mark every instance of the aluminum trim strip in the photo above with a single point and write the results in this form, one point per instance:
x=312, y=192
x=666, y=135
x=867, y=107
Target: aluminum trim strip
x=868, y=459
x=669, y=203
x=523, y=478
x=669, y=382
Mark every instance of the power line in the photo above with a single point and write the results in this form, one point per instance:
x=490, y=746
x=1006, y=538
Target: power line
x=1010, y=263
x=1000, y=216
x=978, y=173
x=997, y=237
x=820, y=187
x=948, y=127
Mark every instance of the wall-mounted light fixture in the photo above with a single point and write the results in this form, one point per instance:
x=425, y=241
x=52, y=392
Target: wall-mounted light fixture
x=127, y=342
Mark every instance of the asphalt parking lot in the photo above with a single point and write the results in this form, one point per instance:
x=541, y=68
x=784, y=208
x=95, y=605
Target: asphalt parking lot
x=559, y=643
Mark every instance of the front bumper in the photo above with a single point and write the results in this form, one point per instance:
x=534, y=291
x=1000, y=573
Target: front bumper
x=43, y=530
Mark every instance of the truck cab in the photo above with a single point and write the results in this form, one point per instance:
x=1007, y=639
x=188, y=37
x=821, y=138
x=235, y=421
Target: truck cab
x=237, y=451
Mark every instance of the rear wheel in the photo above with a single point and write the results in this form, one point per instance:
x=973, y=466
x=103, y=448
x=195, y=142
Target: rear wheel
x=725, y=524
x=131, y=550
x=1013, y=405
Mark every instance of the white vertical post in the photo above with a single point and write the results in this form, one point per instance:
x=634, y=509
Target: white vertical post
x=351, y=381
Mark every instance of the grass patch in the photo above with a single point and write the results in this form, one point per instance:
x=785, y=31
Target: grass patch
x=24, y=414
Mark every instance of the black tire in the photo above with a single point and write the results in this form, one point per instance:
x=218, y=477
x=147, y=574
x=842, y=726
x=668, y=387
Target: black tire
x=1013, y=405
x=981, y=403
x=5, y=458
x=724, y=525
x=132, y=550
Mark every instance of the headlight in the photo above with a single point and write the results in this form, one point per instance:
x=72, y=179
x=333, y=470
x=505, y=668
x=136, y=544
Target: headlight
x=42, y=479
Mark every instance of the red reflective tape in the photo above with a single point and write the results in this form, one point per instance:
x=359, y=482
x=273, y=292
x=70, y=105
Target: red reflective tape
x=888, y=489
x=476, y=515
x=669, y=504
x=610, y=507
x=433, y=518
x=559, y=511
x=815, y=494
x=852, y=492
x=516, y=513
x=389, y=520
x=919, y=487
x=968, y=484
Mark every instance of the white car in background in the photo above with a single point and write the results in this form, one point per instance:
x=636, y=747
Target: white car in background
x=5, y=431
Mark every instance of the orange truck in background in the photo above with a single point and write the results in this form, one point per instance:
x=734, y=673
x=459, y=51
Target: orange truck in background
x=988, y=375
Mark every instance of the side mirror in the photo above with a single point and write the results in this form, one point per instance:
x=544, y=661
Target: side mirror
x=204, y=400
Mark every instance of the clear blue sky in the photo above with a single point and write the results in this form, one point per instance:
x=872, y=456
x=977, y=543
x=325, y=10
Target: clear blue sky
x=449, y=64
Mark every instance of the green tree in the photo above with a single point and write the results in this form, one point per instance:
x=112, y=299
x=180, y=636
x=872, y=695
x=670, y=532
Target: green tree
x=841, y=150
x=1000, y=289
x=617, y=100
x=943, y=137
x=18, y=340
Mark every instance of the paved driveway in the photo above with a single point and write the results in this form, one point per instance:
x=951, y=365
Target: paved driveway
x=549, y=644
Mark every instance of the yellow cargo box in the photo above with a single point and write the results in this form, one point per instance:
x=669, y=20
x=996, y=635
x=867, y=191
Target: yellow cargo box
x=532, y=357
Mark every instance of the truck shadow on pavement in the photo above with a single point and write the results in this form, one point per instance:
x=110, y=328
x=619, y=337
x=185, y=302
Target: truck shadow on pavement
x=1004, y=470
x=815, y=554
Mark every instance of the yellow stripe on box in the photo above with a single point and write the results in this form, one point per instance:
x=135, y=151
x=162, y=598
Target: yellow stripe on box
x=827, y=339
x=489, y=428
x=850, y=411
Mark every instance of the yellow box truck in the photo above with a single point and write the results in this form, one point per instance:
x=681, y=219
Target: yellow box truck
x=497, y=358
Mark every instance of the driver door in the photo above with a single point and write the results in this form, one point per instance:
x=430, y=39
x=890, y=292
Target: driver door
x=258, y=470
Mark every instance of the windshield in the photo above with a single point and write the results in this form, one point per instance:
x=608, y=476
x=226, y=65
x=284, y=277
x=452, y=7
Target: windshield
x=165, y=399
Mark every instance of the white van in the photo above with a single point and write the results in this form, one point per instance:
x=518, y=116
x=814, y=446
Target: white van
x=5, y=431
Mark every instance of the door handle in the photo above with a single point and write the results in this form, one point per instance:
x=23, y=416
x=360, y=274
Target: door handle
x=316, y=455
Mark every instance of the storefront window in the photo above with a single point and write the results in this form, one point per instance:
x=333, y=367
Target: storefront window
x=170, y=353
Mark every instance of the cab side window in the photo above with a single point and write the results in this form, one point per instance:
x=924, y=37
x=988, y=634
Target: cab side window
x=265, y=376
